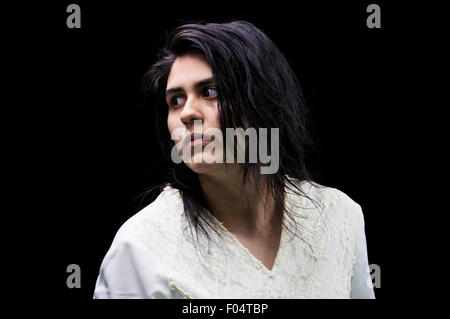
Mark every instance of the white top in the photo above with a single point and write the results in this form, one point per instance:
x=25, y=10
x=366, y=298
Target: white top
x=154, y=255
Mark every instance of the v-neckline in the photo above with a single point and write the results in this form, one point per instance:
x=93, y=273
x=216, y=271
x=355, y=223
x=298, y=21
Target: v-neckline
x=258, y=263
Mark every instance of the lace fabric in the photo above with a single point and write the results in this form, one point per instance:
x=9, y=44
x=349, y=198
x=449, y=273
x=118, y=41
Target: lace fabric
x=157, y=251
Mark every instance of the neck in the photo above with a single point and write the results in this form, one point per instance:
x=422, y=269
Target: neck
x=242, y=206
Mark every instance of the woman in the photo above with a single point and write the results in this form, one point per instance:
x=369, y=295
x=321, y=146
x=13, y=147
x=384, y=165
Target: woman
x=225, y=228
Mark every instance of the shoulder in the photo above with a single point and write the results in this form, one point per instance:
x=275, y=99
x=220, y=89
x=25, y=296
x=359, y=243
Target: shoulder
x=325, y=195
x=332, y=202
x=331, y=196
x=137, y=252
x=154, y=226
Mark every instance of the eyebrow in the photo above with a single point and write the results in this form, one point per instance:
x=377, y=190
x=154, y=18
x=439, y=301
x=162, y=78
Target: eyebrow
x=196, y=86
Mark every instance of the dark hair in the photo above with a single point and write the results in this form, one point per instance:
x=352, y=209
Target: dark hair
x=256, y=88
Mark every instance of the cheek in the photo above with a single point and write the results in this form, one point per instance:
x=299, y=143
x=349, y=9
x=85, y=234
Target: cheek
x=212, y=117
x=173, y=123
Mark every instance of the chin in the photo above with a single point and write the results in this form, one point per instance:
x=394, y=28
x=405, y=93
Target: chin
x=203, y=167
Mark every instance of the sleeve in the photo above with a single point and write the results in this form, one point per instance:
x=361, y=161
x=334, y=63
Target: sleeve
x=131, y=271
x=362, y=287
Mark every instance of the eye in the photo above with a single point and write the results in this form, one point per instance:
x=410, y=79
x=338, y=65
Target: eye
x=175, y=101
x=210, y=92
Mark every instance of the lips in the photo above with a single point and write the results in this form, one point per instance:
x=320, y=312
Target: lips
x=195, y=138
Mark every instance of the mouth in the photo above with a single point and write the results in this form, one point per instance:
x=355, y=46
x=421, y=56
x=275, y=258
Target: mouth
x=197, y=141
x=196, y=138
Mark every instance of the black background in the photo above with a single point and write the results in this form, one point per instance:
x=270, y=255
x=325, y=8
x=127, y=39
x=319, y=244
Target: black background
x=90, y=148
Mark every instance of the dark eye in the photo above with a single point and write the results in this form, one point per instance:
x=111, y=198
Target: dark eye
x=176, y=100
x=210, y=92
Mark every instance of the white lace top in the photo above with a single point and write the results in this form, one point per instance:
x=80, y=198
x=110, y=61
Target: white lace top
x=154, y=255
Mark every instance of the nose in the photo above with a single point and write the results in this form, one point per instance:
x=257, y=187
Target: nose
x=191, y=111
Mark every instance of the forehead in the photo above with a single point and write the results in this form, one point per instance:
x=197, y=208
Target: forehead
x=188, y=70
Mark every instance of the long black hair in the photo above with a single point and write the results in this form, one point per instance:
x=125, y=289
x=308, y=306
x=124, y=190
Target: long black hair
x=256, y=88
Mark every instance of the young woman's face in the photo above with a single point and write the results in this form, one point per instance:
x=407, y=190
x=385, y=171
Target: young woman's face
x=191, y=95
